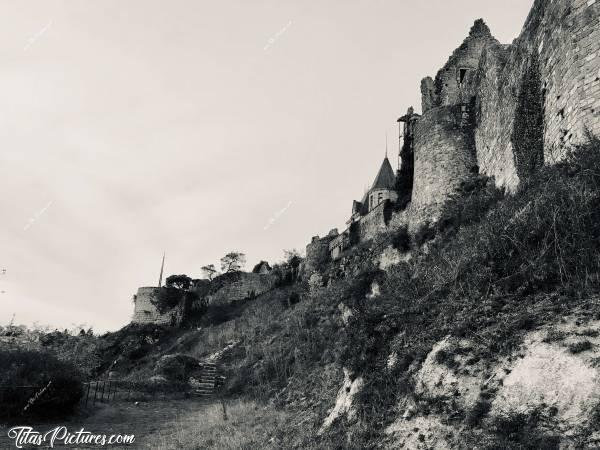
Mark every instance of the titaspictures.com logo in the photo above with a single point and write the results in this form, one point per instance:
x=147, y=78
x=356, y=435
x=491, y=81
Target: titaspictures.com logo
x=27, y=436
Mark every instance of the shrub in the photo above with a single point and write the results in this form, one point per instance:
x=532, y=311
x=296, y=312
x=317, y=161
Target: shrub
x=170, y=297
x=424, y=233
x=53, y=389
x=579, y=347
x=401, y=239
x=554, y=335
x=294, y=298
x=521, y=430
x=478, y=412
x=446, y=358
x=179, y=281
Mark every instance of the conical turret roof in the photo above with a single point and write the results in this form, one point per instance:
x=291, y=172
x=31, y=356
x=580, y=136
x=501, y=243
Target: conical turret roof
x=386, y=179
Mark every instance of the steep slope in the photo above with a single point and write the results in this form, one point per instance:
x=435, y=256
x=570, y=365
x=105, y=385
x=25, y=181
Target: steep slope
x=447, y=340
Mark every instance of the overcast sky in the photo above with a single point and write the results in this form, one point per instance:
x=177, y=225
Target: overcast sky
x=195, y=127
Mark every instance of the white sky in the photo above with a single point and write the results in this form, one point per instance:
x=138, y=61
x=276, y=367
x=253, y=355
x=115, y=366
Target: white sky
x=132, y=127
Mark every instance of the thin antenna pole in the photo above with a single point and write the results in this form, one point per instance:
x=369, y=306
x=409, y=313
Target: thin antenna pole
x=162, y=266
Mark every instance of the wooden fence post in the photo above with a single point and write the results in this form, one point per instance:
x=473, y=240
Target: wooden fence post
x=225, y=418
x=87, y=396
x=95, y=391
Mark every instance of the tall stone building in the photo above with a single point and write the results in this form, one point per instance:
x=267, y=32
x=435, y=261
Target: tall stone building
x=500, y=110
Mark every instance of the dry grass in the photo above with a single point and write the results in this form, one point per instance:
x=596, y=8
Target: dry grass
x=179, y=424
x=248, y=426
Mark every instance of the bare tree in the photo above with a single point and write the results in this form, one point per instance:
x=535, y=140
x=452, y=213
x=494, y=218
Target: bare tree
x=210, y=271
x=233, y=262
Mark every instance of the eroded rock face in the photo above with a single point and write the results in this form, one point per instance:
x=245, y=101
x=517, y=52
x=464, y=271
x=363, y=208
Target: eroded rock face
x=558, y=376
x=315, y=284
x=555, y=375
x=345, y=314
x=443, y=375
x=390, y=257
x=343, y=404
x=375, y=291
x=421, y=433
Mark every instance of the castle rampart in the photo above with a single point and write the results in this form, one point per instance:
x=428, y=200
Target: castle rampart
x=317, y=253
x=375, y=221
x=561, y=37
x=500, y=110
x=145, y=310
x=244, y=285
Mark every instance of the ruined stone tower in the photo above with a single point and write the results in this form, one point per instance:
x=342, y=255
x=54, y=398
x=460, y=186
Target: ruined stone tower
x=492, y=109
x=444, y=136
x=504, y=110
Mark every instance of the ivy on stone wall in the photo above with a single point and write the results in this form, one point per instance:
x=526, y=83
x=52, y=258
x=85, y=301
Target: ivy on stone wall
x=528, y=131
x=168, y=298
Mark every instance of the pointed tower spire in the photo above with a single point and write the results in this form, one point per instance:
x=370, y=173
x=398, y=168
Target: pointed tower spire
x=162, y=267
x=386, y=147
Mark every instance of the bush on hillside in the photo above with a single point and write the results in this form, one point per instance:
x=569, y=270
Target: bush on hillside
x=81, y=350
x=37, y=385
x=171, y=297
x=182, y=282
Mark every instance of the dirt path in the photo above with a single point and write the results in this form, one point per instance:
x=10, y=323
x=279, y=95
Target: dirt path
x=148, y=421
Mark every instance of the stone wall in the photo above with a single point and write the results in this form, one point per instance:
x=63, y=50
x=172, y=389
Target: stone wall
x=456, y=82
x=339, y=244
x=380, y=196
x=317, y=254
x=374, y=222
x=495, y=106
x=444, y=157
x=564, y=36
x=498, y=109
x=145, y=311
x=243, y=286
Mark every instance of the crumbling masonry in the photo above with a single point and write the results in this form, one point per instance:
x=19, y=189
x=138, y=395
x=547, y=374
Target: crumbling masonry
x=500, y=110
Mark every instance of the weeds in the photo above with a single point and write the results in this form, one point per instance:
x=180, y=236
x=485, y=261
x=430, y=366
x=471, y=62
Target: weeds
x=580, y=346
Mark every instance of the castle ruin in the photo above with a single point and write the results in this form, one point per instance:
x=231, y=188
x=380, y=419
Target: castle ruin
x=492, y=109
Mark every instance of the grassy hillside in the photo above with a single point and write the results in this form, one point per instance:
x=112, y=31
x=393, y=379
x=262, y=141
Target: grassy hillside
x=495, y=269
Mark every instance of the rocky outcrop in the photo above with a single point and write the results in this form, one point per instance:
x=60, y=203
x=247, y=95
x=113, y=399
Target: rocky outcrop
x=343, y=403
x=553, y=378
